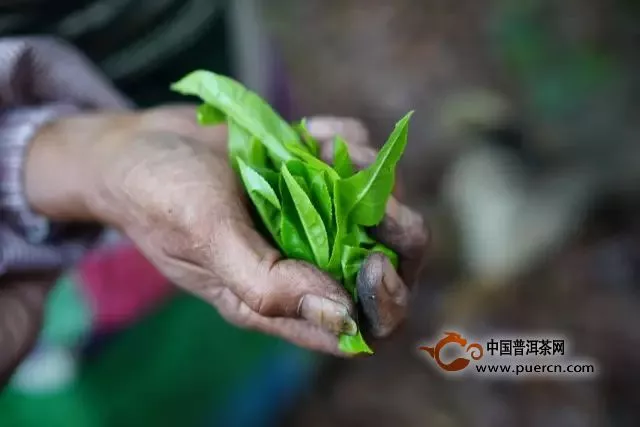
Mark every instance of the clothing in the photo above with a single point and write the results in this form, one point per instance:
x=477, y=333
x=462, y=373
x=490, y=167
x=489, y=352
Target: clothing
x=41, y=79
x=140, y=45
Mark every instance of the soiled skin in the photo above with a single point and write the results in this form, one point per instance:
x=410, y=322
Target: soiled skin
x=165, y=182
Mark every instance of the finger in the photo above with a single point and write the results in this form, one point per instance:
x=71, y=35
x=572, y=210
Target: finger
x=182, y=120
x=404, y=231
x=383, y=295
x=276, y=287
x=297, y=331
x=325, y=129
x=21, y=307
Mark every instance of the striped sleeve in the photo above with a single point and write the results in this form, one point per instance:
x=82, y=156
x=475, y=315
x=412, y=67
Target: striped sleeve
x=41, y=80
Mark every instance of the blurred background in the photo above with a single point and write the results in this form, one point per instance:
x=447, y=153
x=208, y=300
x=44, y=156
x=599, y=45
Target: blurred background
x=524, y=156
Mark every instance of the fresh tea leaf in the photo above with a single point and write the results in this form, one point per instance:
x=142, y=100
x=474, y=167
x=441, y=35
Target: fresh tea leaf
x=314, y=162
x=209, y=116
x=272, y=177
x=359, y=237
x=263, y=197
x=341, y=160
x=321, y=199
x=393, y=257
x=352, y=259
x=340, y=224
x=246, y=108
x=366, y=193
x=354, y=344
x=294, y=243
x=242, y=145
x=305, y=136
x=316, y=188
x=310, y=219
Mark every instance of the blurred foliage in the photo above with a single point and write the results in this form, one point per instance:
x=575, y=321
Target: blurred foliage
x=557, y=75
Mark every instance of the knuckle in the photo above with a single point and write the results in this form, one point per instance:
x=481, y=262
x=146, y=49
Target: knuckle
x=421, y=233
x=255, y=300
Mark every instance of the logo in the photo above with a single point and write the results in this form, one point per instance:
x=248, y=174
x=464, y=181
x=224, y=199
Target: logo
x=453, y=338
x=508, y=356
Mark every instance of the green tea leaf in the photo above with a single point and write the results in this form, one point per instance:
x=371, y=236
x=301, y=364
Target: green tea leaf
x=272, y=177
x=294, y=243
x=393, y=257
x=340, y=225
x=354, y=344
x=314, y=162
x=341, y=160
x=359, y=237
x=312, y=144
x=309, y=218
x=246, y=108
x=258, y=156
x=366, y=193
x=303, y=184
x=321, y=199
x=352, y=259
x=242, y=145
x=209, y=116
x=263, y=197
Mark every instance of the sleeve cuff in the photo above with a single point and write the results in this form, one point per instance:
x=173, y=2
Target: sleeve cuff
x=17, y=128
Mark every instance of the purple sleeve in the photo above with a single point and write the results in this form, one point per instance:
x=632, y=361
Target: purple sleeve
x=41, y=80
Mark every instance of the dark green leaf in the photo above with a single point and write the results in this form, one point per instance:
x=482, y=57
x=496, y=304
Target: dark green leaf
x=341, y=160
x=366, y=193
x=310, y=219
x=246, y=108
x=209, y=116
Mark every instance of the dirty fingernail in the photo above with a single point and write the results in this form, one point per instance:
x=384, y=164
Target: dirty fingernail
x=327, y=314
x=350, y=327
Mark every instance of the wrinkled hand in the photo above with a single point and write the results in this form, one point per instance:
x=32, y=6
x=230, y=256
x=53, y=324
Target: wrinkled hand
x=166, y=182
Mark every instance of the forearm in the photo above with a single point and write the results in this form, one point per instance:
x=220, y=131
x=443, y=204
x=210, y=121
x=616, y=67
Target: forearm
x=61, y=165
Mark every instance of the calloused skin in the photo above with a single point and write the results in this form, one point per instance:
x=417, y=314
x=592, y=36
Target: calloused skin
x=165, y=182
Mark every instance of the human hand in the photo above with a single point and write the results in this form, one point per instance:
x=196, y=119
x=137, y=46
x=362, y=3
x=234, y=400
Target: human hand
x=166, y=182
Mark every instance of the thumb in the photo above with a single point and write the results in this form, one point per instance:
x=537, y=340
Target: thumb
x=275, y=287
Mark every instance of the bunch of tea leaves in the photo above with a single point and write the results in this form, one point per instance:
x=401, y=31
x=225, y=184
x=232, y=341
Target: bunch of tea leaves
x=313, y=211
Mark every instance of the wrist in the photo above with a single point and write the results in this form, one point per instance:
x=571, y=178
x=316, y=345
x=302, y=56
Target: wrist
x=62, y=166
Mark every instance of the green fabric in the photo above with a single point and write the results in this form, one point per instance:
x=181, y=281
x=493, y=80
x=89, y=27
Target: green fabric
x=67, y=317
x=171, y=369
